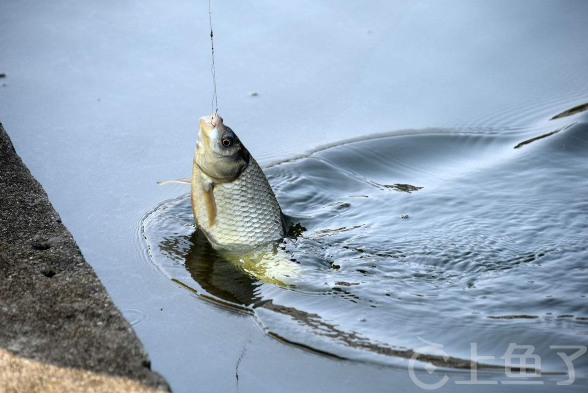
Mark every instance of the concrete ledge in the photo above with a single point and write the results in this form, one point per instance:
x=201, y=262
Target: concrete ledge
x=55, y=315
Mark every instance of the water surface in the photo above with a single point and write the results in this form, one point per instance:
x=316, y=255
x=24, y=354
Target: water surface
x=455, y=236
x=103, y=99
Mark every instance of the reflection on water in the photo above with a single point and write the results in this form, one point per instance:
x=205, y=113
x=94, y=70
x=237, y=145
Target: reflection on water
x=536, y=138
x=572, y=111
x=452, y=236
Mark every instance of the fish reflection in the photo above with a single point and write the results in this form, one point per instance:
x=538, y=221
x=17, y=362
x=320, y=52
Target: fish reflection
x=215, y=274
x=232, y=276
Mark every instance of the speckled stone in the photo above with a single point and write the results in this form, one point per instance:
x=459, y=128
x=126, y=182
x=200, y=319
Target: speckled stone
x=53, y=308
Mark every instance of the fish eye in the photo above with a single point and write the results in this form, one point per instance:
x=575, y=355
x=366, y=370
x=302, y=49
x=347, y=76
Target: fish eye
x=227, y=140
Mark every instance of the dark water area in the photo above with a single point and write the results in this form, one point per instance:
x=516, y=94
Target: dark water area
x=453, y=236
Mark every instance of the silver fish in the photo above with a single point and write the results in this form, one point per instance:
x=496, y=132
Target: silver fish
x=232, y=201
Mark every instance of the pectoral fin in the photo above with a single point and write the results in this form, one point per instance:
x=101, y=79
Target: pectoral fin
x=208, y=188
x=210, y=205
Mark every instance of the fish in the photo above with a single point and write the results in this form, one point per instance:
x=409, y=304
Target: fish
x=235, y=207
x=232, y=200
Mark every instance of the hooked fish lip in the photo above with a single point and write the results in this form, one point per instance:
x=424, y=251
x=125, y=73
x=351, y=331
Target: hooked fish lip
x=208, y=123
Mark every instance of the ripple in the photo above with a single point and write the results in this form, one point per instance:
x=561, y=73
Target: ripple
x=495, y=238
x=135, y=316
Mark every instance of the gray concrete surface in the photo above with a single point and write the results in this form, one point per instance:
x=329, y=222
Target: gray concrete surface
x=53, y=307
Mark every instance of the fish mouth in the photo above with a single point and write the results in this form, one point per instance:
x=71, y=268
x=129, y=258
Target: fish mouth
x=210, y=122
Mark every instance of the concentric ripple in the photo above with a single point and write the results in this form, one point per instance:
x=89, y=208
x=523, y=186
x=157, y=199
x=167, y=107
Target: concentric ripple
x=450, y=236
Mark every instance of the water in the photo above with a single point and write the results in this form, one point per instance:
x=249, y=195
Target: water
x=132, y=78
x=455, y=236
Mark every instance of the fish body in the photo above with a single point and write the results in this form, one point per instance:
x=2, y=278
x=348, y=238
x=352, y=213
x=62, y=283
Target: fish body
x=232, y=201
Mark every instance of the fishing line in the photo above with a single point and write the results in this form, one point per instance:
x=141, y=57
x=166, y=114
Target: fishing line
x=214, y=104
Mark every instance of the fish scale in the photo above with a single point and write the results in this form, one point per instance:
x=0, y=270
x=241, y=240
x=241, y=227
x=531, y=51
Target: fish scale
x=247, y=212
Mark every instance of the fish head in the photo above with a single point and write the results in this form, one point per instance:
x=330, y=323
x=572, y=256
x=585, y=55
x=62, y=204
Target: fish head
x=219, y=152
